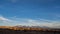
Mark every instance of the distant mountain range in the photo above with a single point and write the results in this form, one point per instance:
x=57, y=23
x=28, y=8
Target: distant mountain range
x=31, y=26
x=19, y=27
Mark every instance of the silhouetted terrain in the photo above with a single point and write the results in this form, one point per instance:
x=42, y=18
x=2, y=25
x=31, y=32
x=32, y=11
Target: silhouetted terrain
x=11, y=31
x=8, y=31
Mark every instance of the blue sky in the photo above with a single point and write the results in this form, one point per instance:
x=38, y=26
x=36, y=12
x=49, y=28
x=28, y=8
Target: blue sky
x=47, y=11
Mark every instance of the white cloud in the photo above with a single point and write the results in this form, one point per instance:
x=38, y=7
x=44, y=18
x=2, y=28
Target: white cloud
x=30, y=22
x=4, y=20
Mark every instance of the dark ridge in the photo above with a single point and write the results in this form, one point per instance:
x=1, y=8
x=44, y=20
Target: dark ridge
x=10, y=31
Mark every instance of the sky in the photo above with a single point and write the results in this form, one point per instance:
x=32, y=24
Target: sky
x=30, y=13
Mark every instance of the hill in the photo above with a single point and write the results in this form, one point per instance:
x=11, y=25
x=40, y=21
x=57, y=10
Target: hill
x=27, y=30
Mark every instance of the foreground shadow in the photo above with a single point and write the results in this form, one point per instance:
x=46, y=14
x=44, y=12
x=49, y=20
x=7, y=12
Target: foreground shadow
x=9, y=31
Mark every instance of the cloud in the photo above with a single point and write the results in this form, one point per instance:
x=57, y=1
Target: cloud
x=29, y=22
x=52, y=24
x=3, y=19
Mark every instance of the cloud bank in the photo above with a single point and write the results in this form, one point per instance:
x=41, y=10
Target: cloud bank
x=29, y=22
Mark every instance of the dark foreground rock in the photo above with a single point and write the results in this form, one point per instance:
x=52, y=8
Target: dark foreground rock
x=8, y=31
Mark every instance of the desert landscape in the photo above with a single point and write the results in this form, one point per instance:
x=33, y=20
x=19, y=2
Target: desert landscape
x=27, y=30
x=29, y=16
